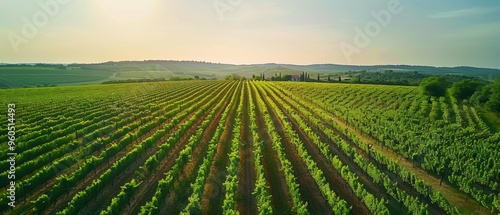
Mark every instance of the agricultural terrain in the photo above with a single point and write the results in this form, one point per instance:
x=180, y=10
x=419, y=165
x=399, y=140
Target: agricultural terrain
x=43, y=75
x=246, y=147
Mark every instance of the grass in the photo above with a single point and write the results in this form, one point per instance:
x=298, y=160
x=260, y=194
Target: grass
x=63, y=93
x=32, y=76
x=56, y=75
x=142, y=74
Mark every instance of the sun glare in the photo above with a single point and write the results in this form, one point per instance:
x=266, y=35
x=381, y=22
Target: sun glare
x=127, y=10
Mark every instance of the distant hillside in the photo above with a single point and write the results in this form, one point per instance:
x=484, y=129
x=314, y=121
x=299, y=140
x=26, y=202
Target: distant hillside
x=33, y=75
x=204, y=68
x=483, y=73
x=277, y=70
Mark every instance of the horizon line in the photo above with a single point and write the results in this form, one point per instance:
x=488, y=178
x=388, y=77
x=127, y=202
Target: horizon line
x=241, y=64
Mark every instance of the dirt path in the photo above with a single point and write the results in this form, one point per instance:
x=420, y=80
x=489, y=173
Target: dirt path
x=213, y=191
x=280, y=195
x=247, y=173
x=339, y=185
x=178, y=197
x=148, y=187
x=308, y=188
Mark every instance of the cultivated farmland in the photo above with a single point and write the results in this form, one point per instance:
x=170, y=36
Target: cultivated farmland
x=247, y=147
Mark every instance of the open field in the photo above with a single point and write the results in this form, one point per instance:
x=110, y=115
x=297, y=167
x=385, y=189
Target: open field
x=29, y=76
x=247, y=147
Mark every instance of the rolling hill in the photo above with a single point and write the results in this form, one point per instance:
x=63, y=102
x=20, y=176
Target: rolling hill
x=33, y=75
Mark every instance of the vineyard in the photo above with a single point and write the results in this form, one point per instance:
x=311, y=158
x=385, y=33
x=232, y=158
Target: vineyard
x=247, y=147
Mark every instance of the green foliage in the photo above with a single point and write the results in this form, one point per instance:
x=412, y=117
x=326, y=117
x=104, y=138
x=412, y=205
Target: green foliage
x=167, y=183
x=355, y=80
x=231, y=183
x=480, y=97
x=299, y=206
x=233, y=77
x=41, y=203
x=18, y=76
x=464, y=89
x=434, y=86
x=459, y=145
x=178, y=78
x=396, y=77
x=97, y=137
x=493, y=103
x=489, y=96
x=287, y=77
x=141, y=80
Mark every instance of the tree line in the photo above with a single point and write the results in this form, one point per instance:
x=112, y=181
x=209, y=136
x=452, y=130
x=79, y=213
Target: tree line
x=473, y=90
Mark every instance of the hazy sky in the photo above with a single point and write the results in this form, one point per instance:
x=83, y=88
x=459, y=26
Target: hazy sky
x=418, y=32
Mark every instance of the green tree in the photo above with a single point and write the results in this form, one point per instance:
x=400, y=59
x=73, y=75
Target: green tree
x=482, y=96
x=287, y=77
x=355, y=80
x=464, y=89
x=489, y=96
x=233, y=77
x=434, y=86
x=493, y=104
